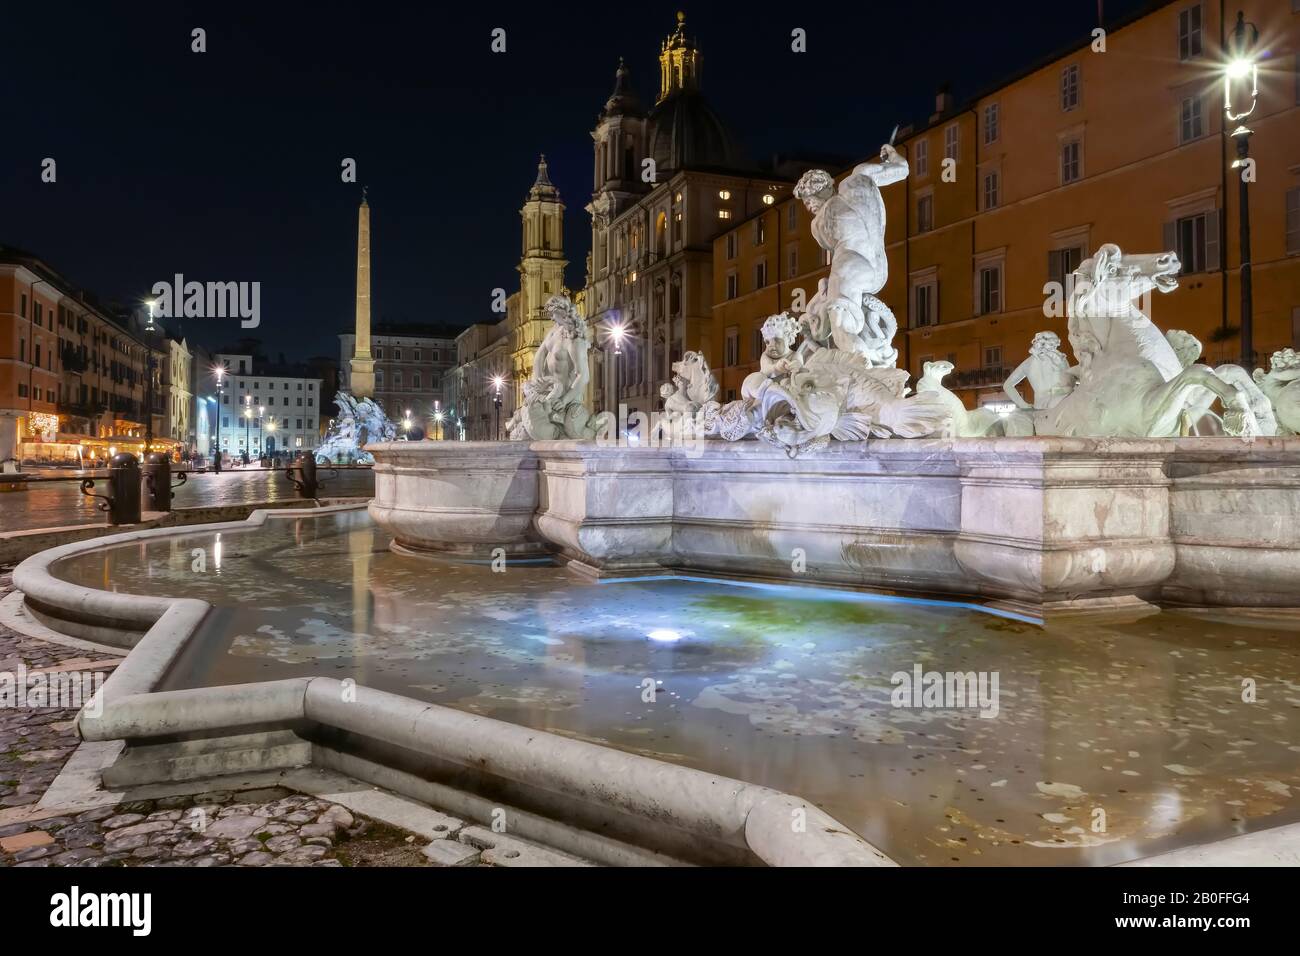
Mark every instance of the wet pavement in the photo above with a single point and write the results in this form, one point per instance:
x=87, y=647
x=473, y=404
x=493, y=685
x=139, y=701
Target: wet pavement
x=49, y=504
x=1079, y=743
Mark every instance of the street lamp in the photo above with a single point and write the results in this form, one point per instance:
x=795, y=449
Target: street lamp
x=261, y=409
x=406, y=424
x=437, y=417
x=497, y=382
x=616, y=332
x=1242, y=70
x=219, y=371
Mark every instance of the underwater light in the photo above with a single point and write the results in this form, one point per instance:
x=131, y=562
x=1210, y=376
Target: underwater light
x=664, y=634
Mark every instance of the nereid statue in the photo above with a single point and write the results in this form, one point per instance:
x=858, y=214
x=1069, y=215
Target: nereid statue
x=553, y=395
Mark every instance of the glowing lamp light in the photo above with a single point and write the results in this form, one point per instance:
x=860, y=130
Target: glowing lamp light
x=664, y=635
x=1239, y=69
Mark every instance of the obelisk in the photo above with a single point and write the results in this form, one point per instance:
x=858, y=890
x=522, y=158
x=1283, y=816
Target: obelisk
x=363, y=365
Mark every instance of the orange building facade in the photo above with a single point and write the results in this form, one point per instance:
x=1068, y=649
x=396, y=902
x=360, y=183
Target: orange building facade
x=73, y=378
x=1123, y=145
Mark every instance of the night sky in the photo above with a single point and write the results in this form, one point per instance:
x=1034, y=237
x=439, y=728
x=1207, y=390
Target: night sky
x=225, y=166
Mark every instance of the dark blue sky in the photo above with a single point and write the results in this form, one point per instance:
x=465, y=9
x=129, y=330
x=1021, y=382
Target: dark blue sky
x=225, y=165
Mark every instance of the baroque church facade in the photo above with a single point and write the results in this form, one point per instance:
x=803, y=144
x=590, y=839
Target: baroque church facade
x=667, y=182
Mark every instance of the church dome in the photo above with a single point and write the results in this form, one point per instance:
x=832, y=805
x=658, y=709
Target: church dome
x=684, y=131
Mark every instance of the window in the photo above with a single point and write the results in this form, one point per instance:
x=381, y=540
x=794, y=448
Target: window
x=925, y=301
x=792, y=216
x=300, y=401
x=1293, y=221
x=1196, y=240
x=310, y=402
x=299, y=424
x=271, y=400
x=724, y=194
x=993, y=356
x=922, y=157
x=925, y=214
x=760, y=231
x=724, y=213
x=756, y=345
x=22, y=305
x=379, y=377
x=732, y=291
x=418, y=353
x=1070, y=87
x=1071, y=161
x=1189, y=33
x=760, y=274
x=397, y=378
x=733, y=347
x=415, y=380
x=1191, y=120
x=990, y=190
x=731, y=245
x=1062, y=262
x=379, y=353
x=768, y=199
x=397, y=355
x=225, y=422
x=990, y=289
x=951, y=141
x=990, y=124
x=792, y=262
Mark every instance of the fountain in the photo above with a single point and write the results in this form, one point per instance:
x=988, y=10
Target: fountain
x=641, y=652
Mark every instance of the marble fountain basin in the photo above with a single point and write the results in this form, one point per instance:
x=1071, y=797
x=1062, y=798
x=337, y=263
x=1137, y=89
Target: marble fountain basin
x=632, y=706
x=1040, y=525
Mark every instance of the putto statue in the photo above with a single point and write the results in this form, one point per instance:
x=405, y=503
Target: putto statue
x=359, y=423
x=849, y=223
x=554, y=392
x=1130, y=381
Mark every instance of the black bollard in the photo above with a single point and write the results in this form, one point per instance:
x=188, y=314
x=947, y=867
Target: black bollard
x=306, y=482
x=157, y=486
x=122, y=503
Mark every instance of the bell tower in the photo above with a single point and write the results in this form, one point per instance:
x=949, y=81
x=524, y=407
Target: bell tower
x=679, y=62
x=541, y=268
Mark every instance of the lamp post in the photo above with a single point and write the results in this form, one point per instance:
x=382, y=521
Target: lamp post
x=1243, y=70
x=406, y=425
x=437, y=418
x=216, y=460
x=248, y=423
x=616, y=332
x=261, y=409
x=497, y=382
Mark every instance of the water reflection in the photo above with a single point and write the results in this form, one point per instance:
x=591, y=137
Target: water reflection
x=1110, y=741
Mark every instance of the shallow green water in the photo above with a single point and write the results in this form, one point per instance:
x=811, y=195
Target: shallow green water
x=1137, y=728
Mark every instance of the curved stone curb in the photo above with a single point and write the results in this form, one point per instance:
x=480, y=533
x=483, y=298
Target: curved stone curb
x=780, y=829
x=124, y=616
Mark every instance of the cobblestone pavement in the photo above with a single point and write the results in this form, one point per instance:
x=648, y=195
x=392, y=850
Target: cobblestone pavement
x=57, y=503
x=267, y=827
